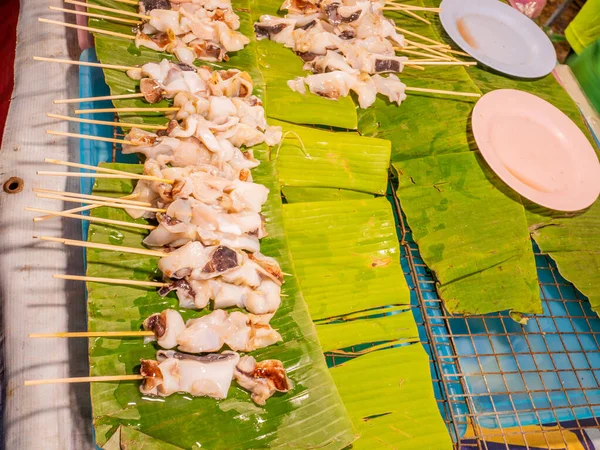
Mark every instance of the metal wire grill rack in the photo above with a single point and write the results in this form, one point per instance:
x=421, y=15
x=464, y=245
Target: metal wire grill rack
x=500, y=384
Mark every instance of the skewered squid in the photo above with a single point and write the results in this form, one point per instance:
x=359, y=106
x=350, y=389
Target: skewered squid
x=191, y=30
x=166, y=79
x=239, y=331
x=211, y=375
x=347, y=45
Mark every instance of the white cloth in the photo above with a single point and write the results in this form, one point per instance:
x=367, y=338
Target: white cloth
x=50, y=417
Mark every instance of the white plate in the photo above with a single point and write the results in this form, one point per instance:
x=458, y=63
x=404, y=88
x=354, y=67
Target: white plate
x=536, y=149
x=499, y=36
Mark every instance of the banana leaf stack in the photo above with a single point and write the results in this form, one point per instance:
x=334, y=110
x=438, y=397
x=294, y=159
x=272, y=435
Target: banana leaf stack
x=338, y=240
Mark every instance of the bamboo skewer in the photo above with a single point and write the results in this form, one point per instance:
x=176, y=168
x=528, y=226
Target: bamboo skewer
x=105, y=8
x=414, y=66
x=91, y=334
x=104, y=110
x=100, y=203
x=123, y=200
x=110, y=280
x=420, y=36
x=84, y=379
x=89, y=137
x=96, y=16
x=105, y=122
x=94, y=99
x=438, y=91
x=83, y=63
x=129, y=2
x=91, y=175
x=92, y=219
x=439, y=47
x=73, y=210
x=106, y=170
x=429, y=49
x=116, y=248
x=416, y=16
x=79, y=209
x=90, y=29
x=439, y=63
x=456, y=52
x=427, y=55
x=391, y=6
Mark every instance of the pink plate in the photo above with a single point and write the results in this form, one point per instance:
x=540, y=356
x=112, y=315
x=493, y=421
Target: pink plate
x=537, y=150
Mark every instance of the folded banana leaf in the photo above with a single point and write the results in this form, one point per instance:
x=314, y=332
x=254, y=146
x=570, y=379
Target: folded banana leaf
x=309, y=157
x=261, y=58
x=470, y=230
x=310, y=416
x=293, y=194
x=346, y=255
x=574, y=243
x=278, y=65
x=570, y=239
x=391, y=400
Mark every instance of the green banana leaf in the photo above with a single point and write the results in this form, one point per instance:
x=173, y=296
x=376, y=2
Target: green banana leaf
x=293, y=420
x=346, y=255
x=395, y=327
x=309, y=157
x=278, y=65
x=359, y=164
x=293, y=194
x=391, y=400
x=259, y=58
x=572, y=240
x=471, y=232
x=574, y=243
x=471, y=229
x=127, y=438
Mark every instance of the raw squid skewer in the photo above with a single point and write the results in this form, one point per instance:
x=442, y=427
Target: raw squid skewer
x=201, y=376
x=207, y=334
x=125, y=281
x=229, y=277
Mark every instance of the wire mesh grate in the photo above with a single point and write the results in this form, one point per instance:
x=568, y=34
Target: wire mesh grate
x=506, y=385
